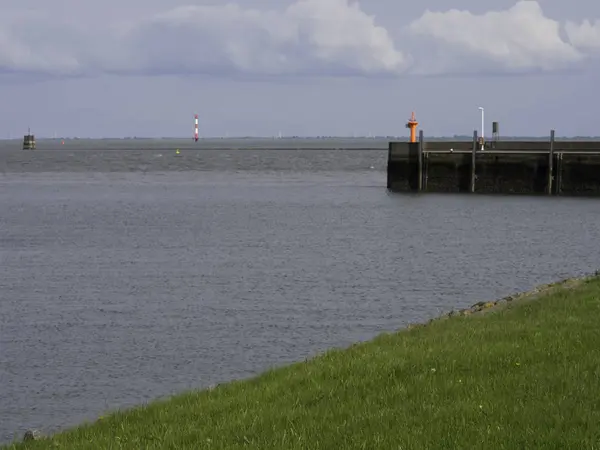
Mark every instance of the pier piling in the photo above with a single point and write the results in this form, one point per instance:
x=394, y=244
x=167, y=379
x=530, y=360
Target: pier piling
x=420, y=155
x=473, y=162
x=551, y=163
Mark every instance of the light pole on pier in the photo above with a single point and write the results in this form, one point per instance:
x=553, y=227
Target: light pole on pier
x=482, y=126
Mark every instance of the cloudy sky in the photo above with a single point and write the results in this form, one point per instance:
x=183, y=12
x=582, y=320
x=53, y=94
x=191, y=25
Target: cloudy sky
x=303, y=67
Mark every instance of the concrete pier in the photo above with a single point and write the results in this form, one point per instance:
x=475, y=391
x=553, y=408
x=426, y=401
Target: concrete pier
x=503, y=167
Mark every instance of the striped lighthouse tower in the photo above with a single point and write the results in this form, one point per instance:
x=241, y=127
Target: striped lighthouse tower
x=196, y=127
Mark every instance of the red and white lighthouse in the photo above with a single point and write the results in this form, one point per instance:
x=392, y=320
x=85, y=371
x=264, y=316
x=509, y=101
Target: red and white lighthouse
x=196, y=127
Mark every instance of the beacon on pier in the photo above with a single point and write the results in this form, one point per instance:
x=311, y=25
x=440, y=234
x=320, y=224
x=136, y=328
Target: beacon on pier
x=412, y=124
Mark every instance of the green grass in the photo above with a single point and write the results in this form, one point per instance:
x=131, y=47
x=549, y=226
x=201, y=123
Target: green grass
x=525, y=376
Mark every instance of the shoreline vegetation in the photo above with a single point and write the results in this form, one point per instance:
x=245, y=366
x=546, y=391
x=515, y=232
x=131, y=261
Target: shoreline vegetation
x=520, y=372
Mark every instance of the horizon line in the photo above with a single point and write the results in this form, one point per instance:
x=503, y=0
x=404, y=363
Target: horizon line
x=294, y=137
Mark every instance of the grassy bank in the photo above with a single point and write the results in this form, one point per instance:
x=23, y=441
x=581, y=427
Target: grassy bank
x=524, y=373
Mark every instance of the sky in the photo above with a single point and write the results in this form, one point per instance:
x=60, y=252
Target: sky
x=121, y=68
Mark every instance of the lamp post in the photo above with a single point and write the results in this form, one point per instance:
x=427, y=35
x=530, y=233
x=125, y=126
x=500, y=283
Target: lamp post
x=482, y=126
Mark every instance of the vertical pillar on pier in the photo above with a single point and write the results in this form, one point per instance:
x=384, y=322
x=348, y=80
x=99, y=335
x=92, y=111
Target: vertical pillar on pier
x=558, y=172
x=473, y=154
x=389, y=166
x=550, y=163
x=420, y=155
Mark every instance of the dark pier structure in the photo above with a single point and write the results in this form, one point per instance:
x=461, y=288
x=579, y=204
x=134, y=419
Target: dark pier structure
x=552, y=167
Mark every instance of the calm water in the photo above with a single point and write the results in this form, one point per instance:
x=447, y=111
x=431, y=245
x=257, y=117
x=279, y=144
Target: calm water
x=130, y=273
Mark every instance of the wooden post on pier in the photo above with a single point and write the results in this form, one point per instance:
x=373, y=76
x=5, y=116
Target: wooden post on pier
x=558, y=171
x=473, y=154
x=420, y=155
x=550, y=163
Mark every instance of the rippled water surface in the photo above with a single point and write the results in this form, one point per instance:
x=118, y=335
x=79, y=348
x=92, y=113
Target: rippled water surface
x=131, y=272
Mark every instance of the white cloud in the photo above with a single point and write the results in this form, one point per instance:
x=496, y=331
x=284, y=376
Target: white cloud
x=316, y=36
x=309, y=37
x=328, y=37
x=585, y=36
x=518, y=39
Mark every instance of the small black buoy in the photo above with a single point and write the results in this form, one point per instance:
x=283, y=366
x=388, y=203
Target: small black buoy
x=29, y=141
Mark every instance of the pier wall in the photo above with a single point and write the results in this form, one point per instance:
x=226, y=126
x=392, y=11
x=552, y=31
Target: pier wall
x=502, y=167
